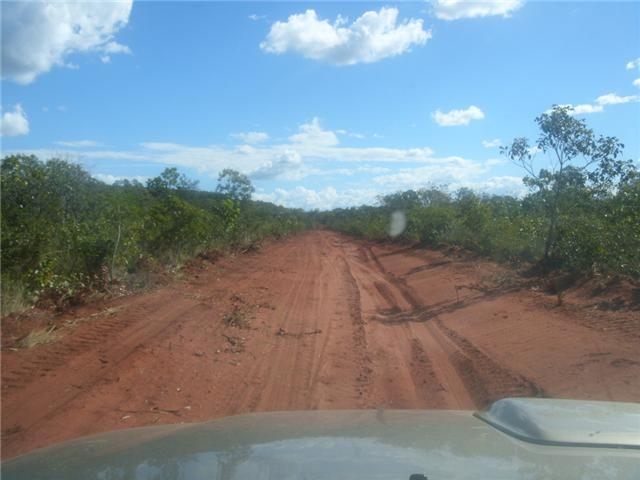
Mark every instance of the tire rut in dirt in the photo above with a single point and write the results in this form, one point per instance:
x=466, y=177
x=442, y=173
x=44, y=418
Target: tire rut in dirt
x=93, y=371
x=424, y=376
x=485, y=379
x=407, y=293
x=47, y=358
x=364, y=376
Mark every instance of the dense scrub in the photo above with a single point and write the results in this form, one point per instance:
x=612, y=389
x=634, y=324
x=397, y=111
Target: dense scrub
x=582, y=215
x=65, y=233
x=595, y=235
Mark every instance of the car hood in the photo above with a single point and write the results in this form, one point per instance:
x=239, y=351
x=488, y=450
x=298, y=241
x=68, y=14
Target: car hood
x=361, y=444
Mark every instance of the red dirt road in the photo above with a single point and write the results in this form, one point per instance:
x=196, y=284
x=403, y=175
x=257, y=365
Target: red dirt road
x=318, y=321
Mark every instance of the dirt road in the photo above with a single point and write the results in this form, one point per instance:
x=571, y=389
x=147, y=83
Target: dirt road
x=317, y=321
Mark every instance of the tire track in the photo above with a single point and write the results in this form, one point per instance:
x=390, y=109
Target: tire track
x=463, y=374
x=52, y=357
x=364, y=376
x=355, y=335
x=486, y=379
x=29, y=408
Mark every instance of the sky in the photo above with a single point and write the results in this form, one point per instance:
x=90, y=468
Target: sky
x=321, y=105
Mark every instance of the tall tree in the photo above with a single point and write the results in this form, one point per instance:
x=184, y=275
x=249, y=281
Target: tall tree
x=234, y=185
x=581, y=164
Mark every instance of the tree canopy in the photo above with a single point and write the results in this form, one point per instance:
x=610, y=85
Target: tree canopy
x=235, y=185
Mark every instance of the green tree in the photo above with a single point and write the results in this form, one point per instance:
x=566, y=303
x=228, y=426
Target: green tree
x=234, y=185
x=170, y=179
x=581, y=165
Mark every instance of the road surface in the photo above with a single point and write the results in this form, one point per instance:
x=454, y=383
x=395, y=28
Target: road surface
x=315, y=321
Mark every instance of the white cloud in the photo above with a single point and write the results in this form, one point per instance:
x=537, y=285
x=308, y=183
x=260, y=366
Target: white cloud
x=455, y=173
x=251, y=137
x=613, y=99
x=256, y=17
x=439, y=170
x=287, y=163
x=586, y=108
x=500, y=185
x=370, y=38
x=78, y=143
x=346, y=133
x=111, y=179
x=492, y=162
x=456, y=9
x=633, y=64
x=37, y=36
x=580, y=109
x=313, y=134
x=14, y=123
x=322, y=199
x=496, y=142
x=111, y=48
x=600, y=103
x=534, y=150
x=636, y=82
x=457, y=117
x=115, y=47
x=365, y=172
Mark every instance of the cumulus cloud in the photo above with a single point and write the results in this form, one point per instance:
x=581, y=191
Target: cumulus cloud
x=456, y=9
x=633, y=64
x=370, y=38
x=251, y=137
x=111, y=48
x=457, y=117
x=440, y=170
x=636, y=82
x=455, y=173
x=14, y=122
x=37, y=36
x=600, y=103
x=312, y=154
x=496, y=142
x=313, y=134
x=285, y=165
x=613, y=99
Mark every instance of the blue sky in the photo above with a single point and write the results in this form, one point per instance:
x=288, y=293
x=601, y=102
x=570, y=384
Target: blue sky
x=321, y=104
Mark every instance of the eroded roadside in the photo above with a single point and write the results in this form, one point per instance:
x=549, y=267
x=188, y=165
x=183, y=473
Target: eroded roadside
x=316, y=321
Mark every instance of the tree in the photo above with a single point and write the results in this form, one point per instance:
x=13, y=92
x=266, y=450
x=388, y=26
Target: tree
x=235, y=185
x=170, y=179
x=581, y=165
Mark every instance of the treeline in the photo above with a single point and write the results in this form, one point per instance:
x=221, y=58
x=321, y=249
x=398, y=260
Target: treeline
x=582, y=215
x=65, y=233
x=594, y=235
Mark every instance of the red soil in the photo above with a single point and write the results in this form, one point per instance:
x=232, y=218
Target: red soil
x=317, y=321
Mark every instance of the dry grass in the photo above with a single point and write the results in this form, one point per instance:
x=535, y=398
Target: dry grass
x=107, y=313
x=39, y=337
x=12, y=299
x=237, y=318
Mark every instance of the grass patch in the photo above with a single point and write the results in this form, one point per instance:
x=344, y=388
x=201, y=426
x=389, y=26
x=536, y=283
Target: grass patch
x=39, y=337
x=12, y=298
